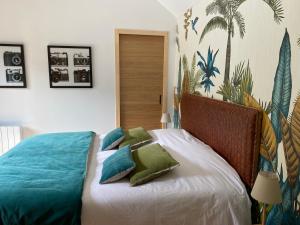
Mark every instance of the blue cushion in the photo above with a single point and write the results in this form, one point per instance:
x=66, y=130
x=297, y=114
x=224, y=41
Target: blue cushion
x=117, y=166
x=113, y=139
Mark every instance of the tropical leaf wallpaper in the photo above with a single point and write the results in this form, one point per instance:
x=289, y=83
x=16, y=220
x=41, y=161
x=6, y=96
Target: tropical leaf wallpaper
x=248, y=52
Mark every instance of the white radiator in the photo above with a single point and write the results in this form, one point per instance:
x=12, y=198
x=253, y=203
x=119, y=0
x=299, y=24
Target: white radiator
x=9, y=137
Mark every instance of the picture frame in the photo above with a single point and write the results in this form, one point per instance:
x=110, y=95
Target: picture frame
x=12, y=66
x=70, y=66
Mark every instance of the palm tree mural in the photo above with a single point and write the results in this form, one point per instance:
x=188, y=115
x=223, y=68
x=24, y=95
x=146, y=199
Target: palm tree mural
x=227, y=17
x=241, y=82
x=192, y=76
x=190, y=83
x=208, y=68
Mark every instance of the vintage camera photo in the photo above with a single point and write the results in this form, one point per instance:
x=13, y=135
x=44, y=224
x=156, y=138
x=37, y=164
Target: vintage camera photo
x=59, y=59
x=12, y=66
x=12, y=58
x=59, y=75
x=70, y=66
x=14, y=75
x=80, y=60
x=82, y=76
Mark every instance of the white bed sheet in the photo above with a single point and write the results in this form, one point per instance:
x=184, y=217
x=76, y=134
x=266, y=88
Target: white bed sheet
x=204, y=189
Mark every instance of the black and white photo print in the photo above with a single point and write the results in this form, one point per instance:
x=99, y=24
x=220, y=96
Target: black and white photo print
x=70, y=67
x=12, y=66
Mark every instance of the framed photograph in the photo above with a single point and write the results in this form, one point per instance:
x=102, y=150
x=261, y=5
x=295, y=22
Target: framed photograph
x=12, y=66
x=70, y=66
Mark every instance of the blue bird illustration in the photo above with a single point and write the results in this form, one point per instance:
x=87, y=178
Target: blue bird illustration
x=194, y=22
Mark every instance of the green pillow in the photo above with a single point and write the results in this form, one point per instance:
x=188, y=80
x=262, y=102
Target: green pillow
x=117, y=166
x=151, y=162
x=136, y=137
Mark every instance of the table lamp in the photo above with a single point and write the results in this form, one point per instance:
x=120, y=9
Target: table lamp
x=165, y=119
x=266, y=190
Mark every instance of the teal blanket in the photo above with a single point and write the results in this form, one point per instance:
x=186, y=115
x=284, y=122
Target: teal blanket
x=41, y=180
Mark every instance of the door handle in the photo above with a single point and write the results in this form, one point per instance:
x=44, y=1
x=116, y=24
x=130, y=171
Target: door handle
x=160, y=99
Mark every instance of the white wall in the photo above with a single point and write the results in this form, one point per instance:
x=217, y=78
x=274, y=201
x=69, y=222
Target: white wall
x=178, y=7
x=38, y=23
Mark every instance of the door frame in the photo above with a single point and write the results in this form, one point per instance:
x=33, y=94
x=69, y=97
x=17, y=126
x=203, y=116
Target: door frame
x=163, y=34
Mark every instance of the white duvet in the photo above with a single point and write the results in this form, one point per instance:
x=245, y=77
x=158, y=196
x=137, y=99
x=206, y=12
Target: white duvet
x=204, y=189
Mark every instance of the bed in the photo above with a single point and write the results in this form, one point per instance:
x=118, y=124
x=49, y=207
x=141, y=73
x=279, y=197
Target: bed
x=209, y=187
x=204, y=189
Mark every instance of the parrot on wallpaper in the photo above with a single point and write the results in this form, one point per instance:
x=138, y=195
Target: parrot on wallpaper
x=194, y=22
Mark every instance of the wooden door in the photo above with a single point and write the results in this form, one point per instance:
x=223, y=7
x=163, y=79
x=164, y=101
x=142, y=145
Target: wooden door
x=141, y=80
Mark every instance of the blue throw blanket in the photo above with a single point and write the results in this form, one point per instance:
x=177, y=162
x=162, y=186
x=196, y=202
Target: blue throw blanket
x=41, y=180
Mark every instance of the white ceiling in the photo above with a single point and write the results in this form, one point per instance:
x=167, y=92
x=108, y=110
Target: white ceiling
x=177, y=7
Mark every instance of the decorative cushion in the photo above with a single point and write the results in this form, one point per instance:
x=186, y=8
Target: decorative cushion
x=136, y=137
x=112, y=139
x=117, y=166
x=151, y=161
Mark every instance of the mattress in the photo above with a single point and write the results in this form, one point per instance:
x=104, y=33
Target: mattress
x=204, y=189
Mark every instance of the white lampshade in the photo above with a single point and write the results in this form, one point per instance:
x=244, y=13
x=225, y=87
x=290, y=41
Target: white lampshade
x=266, y=188
x=165, y=118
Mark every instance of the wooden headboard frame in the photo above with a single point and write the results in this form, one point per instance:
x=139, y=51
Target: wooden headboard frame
x=232, y=130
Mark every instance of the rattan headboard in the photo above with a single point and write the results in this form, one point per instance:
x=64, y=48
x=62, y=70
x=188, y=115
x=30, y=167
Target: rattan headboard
x=233, y=131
